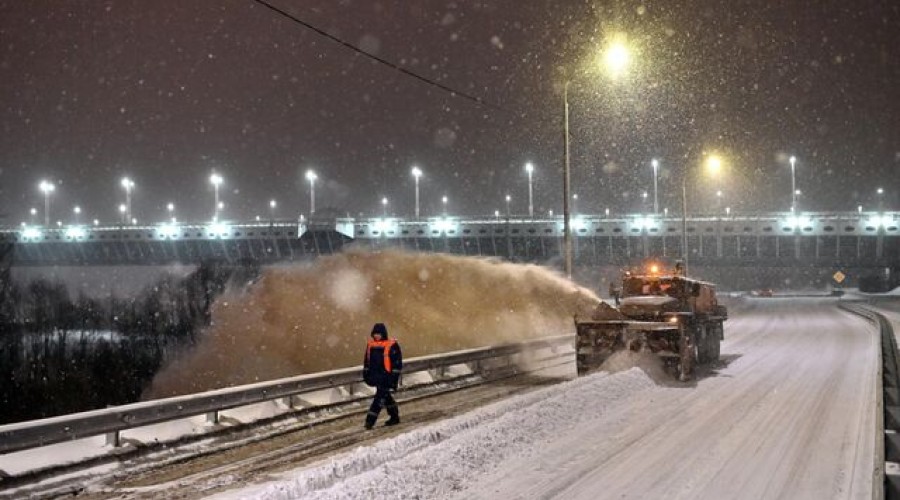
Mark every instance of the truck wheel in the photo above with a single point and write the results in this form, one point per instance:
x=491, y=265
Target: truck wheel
x=703, y=346
x=716, y=346
x=688, y=355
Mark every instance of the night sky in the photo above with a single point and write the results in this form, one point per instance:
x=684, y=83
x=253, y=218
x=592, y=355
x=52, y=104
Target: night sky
x=167, y=91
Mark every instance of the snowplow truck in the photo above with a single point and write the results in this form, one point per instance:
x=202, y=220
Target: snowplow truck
x=677, y=318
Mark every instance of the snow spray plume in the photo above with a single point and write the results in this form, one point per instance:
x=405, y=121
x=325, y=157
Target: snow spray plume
x=317, y=317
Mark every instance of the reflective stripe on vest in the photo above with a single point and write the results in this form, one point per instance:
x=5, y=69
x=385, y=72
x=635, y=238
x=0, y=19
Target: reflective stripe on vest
x=386, y=345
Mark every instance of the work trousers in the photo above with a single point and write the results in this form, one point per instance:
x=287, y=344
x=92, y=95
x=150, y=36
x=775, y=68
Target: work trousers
x=382, y=399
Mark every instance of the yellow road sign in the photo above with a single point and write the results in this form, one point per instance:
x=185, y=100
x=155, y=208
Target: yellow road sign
x=839, y=277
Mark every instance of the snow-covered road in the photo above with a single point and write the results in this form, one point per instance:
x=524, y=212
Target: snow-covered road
x=790, y=413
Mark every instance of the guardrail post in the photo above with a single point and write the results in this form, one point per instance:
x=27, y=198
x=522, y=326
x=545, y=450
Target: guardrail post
x=113, y=439
x=212, y=417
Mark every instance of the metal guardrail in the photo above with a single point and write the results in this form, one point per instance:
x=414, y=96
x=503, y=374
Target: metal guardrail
x=112, y=421
x=887, y=444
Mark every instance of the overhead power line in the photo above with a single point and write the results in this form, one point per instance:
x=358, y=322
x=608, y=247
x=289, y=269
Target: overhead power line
x=385, y=62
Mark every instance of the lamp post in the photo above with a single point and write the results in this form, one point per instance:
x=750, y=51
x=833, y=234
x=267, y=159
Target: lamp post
x=47, y=188
x=508, y=199
x=216, y=181
x=575, y=203
x=272, y=206
x=128, y=184
x=616, y=59
x=444, y=202
x=655, y=164
x=311, y=177
x=33, y=213
x=880, y=192
x=529, y=168
x=793, y=161
x=713, y=165
x=416, y=173
x=644, y=196
x=170, y=209
x=123, y=212
x=384, y=203
x=77, y=212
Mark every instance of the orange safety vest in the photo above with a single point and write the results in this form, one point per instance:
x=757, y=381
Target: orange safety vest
x=386, y=345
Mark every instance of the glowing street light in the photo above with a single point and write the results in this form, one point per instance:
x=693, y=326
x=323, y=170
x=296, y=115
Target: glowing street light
x=617, y=58
x=311, y=177
x=655, y=164
x=170, y=208
x=33, y=213
x=880, y=192
x=128, y=184
x=529, y=168
x=77, y=212
x=47, y=188
x=508, y=199
x=272, y=205
x=384, y=204
x=416, y=173
x=123, y=213
x=575, y=203
x=444, y=202
x=216, y=181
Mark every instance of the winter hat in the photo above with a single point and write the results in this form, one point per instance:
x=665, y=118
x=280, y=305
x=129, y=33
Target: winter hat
x=380, y=328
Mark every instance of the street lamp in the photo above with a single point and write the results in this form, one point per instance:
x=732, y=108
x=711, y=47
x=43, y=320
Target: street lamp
x=616, y=58
x=793, y=160
x=47, y=188
x=128, y=184
x=77, y=212
x=272, y=205
x=575, y=203
x=713, y=166
x=384, y=203
x=655, y=164
x=880, y=192
x=33, y=213
x=170, y=208
x=529, y=168
x=311, y=177
x=644, y=195
x=508, y=199
x=216, y=181
x=416, y=173
x=123, y=212
x=444, y=201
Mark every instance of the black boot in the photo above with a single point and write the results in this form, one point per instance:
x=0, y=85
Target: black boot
x=370, y=420
x=394, y=412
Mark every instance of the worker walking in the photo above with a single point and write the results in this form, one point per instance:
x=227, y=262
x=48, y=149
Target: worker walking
x=381, y=370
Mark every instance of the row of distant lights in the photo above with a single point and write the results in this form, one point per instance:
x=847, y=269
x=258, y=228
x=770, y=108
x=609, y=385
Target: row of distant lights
x=216, y=229
x=216, y=180
x=445, y=225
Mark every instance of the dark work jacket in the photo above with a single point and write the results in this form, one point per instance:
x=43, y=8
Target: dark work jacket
x=379, y=371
